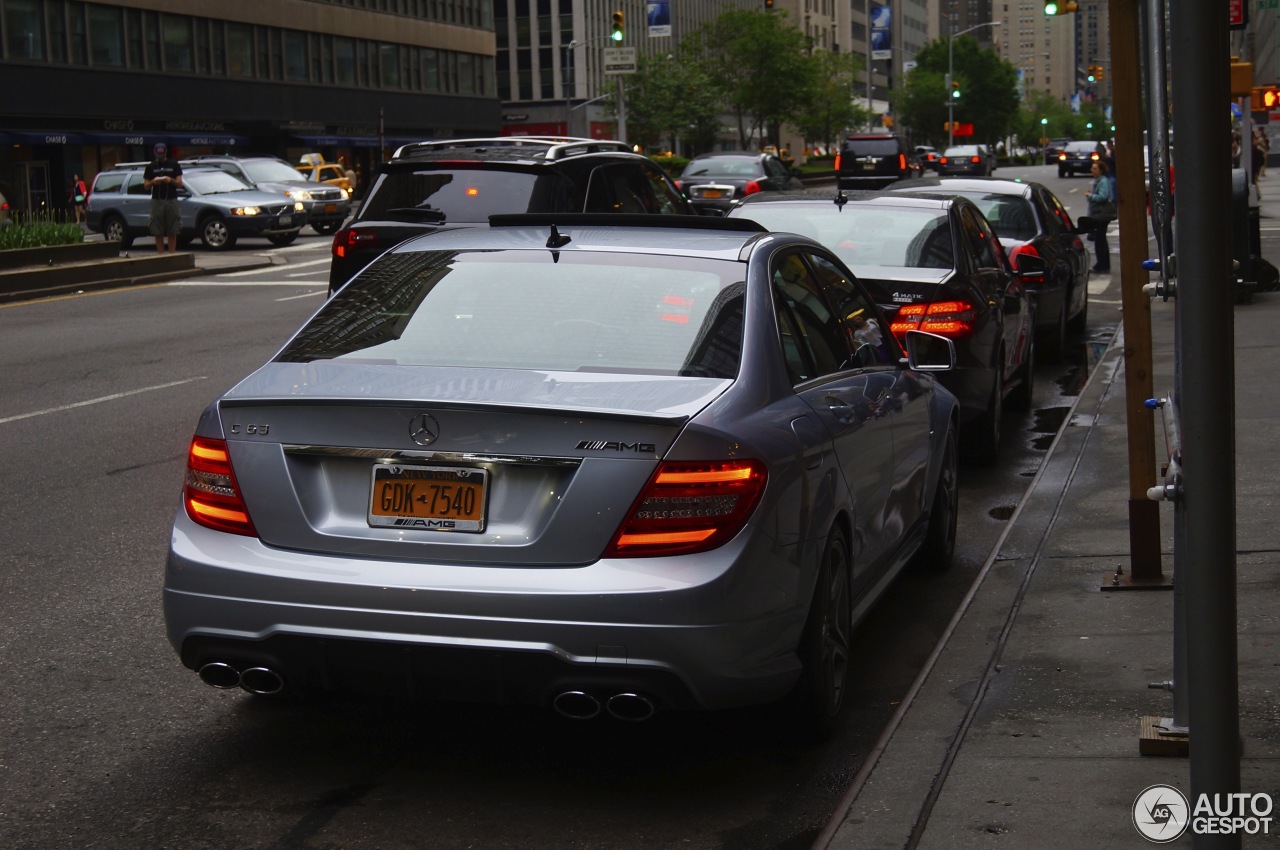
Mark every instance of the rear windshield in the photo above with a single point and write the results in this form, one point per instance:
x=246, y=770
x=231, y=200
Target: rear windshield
x=619, y=313
x=1011, y=217
x=434, y=195
x=962, y=150
x=724, y=166
x=872, y=147
x=868, y=234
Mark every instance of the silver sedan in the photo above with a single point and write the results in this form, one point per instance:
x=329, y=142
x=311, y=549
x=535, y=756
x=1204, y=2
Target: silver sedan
x=607, y=464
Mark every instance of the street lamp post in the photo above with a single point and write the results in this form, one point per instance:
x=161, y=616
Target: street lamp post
x=951, y=69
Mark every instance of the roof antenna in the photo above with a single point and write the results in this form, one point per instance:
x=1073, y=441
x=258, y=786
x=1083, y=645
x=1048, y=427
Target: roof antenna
x=557, y=240
x=841, y=199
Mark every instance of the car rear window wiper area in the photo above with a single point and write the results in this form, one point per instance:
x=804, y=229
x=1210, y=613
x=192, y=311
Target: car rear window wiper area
x=427, y=214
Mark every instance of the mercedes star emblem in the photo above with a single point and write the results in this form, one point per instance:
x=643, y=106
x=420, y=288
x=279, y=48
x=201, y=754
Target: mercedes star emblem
x=423, y=429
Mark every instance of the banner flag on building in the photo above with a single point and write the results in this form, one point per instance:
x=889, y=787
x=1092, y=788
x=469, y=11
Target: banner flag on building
x=659, y=13
x=880, y=32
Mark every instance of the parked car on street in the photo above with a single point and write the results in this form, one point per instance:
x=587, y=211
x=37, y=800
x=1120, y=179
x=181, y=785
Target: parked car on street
x=326, y=206
x=871, y=161
x=715, y=181
x=216, y=206
x=1053, y=148
x=1077, y=158
x=967, y=159
x=929, y=157
x=314, y=169
x=1031, y=221
x=432, y=186
x=932, y=264
x=609, y=464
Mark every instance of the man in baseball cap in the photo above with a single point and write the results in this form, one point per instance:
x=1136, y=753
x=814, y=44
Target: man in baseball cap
x=163, y=176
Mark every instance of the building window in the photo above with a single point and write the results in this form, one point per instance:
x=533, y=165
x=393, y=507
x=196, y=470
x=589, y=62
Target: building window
x=239, y=50
x=344, y=57
x=202, y=46
x=24, y=30
x=388, y=66
x=430, y=70
x=151, y=36
x=177, y=43
x=218, y=48
x=295, y=56
x=56, y=16
x=106, y=36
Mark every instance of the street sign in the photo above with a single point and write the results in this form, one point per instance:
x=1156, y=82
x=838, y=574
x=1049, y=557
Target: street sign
x=619, y=60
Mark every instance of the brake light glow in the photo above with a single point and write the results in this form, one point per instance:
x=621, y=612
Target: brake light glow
x=349, y=238
x=211, y=495
x=751, y=188
x=472, y=191
x=1028, y=250
x=942, y=160
x=902, y=162
x=952, y=319
x=975, y=159
x=690, y=506
x=838, y=162
x=1062, y=155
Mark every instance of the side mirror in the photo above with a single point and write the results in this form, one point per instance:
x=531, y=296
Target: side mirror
x=1029, y=265
x=1084, y=224
x=928, y=352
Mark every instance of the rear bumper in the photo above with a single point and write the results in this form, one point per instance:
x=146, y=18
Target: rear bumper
x=715, y=633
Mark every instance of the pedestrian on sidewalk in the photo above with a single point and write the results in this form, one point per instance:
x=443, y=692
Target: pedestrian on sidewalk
x=1102, y=209
x=79, y=194
x=163, y=176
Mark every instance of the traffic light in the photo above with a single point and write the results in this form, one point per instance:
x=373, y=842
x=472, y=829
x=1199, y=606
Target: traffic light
x=955, y=89
x=1099, y=72
x=1264, y=98
x=1093, y=73
x=616, y=33
x=768, y=5
x=1054, y=7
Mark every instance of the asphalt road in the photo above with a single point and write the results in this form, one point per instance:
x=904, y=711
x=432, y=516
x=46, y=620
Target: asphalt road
x=109, y=742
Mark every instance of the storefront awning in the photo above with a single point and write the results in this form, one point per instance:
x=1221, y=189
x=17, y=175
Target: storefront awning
x=212, y=140
x=145, y=139
x=324, y=141
x=27, y=137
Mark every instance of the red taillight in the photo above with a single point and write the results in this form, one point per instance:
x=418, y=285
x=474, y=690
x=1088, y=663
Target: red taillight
x=690, y=506
x=1028, y=250
x=837, y=162
x=902, y=162
x=211, y=494
x=953, y=319
x=751, y=188
x=679, y=185
x=348, y=238
x=1062, y=155
x=942, y=160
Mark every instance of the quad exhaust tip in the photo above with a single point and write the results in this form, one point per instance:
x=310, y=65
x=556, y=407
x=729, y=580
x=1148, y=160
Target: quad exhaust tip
x=582, y=705
x=255, y=680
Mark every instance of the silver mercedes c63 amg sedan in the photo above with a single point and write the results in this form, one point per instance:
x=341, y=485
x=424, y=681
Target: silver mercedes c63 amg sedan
x=610, y=464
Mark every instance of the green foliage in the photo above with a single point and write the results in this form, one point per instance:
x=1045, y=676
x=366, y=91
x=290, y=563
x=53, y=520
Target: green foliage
x=671, y=100
x=38, y=231
x=988, y=85
x=827, y=106
x=757, y=61
x=674, y=165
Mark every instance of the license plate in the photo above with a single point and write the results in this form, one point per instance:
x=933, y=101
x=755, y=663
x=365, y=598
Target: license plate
x=331, y=208
x=868, y=166
x=711, y=194
x=285, y=220
x=432, y=498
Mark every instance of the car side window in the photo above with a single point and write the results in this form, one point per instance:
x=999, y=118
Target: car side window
x=108, y=183
x=620, y=189
x=992, y=241
x=813, y=340
x=1059, y=212
x=976, y=240
x=136, y=186
x=871, y=342
x=667, y=195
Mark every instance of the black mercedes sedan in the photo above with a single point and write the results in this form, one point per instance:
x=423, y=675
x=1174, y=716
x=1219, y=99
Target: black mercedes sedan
x=932, y=264
x=1032, y=222
x=715, y=181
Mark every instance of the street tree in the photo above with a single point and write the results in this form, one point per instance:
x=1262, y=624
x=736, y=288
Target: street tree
x=826, y=106
x=987, y=85
x=671, y=100
x=758, y=61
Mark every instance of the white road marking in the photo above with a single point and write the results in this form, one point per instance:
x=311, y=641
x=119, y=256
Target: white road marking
x=304, y=295
x=112, y=397
x=247, y=283
x=273, y=269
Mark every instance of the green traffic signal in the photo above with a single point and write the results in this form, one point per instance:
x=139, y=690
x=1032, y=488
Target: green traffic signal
x=616, y=33
x=1050, y=8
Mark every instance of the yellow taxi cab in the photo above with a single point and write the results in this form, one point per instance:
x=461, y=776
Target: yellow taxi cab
x=316, y=170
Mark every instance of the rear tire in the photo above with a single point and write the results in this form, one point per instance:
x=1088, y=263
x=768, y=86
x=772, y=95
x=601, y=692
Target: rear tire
x=939, y=547
x=982, y=448
x=283, y=239
x=1053, y=344
x=114, y=230
x=1022, y=396
x=826, y=644
x=326, y=229
x=1080, y=321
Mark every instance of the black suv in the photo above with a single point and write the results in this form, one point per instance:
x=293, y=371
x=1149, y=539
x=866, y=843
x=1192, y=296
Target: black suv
x=326, y=206
x=872, y=161
x=429, y=186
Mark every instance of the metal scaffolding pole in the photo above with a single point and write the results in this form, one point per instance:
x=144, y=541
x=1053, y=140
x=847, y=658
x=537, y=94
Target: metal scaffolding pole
x=1205, y=395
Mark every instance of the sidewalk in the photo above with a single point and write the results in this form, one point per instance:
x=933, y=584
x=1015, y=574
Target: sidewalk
x=1024, y=732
